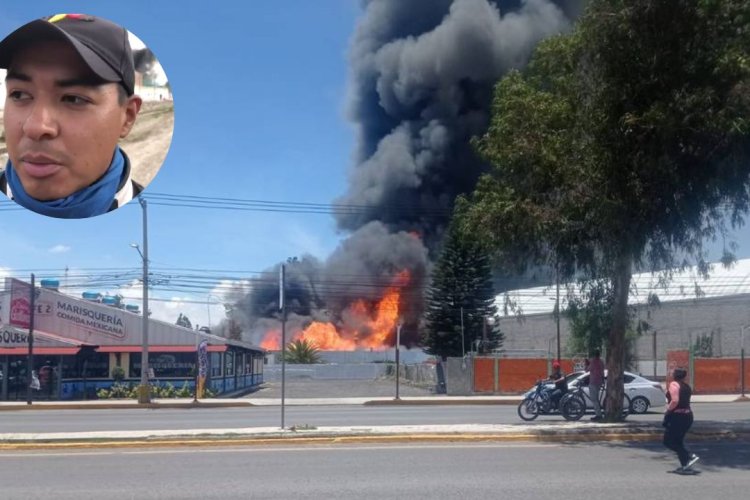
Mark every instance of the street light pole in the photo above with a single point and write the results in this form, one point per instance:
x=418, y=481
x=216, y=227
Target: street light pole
x=282, y=309
x=398, y=343
x=144, y=391
x=557, y=309
x=742, y=361
x=208, y=310
x=208, y=306
x=30, y=359
x=463, y=342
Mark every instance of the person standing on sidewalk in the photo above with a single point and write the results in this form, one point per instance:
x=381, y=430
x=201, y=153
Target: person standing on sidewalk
x=596, y=379
x=678, y=419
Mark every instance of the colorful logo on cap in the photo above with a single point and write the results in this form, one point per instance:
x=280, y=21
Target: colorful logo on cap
x=78, y=17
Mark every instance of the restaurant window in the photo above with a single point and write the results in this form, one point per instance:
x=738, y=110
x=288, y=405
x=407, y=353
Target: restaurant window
x=71, y=367
x=166, y=365
x=229, y=360
x=215, y=364
x=97, y=365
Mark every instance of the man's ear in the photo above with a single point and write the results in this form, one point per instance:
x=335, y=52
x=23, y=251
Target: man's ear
x=132, y=107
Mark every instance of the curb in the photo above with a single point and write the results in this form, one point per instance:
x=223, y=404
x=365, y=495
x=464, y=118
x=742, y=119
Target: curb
x=369, y=436
x=115, y=406
x=91, y=405
x=442, y=402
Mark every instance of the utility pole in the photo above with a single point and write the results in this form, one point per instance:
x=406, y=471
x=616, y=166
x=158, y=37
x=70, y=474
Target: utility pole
x=557, y=307
x=742, y=361
x=282, y=308
x=144, y=394
x=30, y=358
x=463, y=342
x=398, y=343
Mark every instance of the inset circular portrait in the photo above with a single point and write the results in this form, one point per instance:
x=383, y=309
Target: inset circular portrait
x=87, y=116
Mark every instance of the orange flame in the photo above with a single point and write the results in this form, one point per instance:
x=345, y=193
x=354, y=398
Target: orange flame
x=376, y=325
x=326, y=338
x=271, y=341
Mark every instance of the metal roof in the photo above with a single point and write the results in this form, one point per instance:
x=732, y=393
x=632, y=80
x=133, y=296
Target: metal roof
x=683, y=285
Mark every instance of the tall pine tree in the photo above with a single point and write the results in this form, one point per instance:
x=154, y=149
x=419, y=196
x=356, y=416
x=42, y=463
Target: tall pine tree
x=461, y=291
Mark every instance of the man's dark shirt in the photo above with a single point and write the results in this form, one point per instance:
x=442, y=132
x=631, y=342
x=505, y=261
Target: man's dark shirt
x=562, y=385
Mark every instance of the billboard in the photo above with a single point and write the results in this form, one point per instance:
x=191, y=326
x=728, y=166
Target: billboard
x=90, y=322
x=20, y=303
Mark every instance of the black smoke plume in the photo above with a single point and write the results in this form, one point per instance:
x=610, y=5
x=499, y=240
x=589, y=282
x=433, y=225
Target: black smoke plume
x=421, y=81
x=422, y=74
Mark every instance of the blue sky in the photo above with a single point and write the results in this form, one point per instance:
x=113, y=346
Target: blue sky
x=259, y=93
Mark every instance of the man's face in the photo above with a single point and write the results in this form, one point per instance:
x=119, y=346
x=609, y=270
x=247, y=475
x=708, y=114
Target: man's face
x=61, y=125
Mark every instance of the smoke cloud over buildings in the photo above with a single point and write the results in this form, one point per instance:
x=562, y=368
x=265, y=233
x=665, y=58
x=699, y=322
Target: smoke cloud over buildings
x=421, y=82
x=422, y=75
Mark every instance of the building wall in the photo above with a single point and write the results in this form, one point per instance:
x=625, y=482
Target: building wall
x=677, y=324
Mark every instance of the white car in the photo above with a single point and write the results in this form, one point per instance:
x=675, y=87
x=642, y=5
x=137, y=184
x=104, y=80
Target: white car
x=643, y=393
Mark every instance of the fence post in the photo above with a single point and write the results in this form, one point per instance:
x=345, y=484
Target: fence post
x=691, y=362
x=496, y=378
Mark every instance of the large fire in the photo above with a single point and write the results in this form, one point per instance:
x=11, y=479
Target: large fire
x=375, y=324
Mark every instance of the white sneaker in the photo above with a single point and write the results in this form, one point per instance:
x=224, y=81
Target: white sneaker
x=693, y=459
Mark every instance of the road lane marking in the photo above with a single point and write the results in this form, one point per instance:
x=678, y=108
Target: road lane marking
x=255, y=449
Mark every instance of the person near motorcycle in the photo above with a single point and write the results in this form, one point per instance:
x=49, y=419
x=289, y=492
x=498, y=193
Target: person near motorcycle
x=561, y=384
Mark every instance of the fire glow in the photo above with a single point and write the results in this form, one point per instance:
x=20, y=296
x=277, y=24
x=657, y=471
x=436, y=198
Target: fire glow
x=366, y=326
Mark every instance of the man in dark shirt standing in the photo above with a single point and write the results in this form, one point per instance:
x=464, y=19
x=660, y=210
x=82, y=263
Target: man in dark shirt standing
x=596, y=380
x=561, y=385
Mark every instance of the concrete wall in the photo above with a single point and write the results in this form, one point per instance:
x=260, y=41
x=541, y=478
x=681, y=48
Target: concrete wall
x=677, y=324
x=459, y=375
x=369, y=371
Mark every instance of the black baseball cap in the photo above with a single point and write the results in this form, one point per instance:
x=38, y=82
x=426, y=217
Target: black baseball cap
x=102, y=44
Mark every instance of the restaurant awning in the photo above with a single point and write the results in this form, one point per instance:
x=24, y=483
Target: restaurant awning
x=42, y=351
x=45, y=344
x=158, y=348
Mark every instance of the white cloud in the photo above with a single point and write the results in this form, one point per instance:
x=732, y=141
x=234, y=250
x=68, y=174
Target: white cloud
x=59, y=249
x=197, y=307
x=303, y=241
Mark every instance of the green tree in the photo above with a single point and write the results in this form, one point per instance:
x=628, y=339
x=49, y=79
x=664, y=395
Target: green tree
x=589, y=313
x=623, y=145
x=590, y=318
x=704, y=345
x=302, y=352
x=461, y=293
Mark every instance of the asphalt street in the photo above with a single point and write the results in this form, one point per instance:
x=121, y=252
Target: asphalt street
x=412, y=470
x=43, y=421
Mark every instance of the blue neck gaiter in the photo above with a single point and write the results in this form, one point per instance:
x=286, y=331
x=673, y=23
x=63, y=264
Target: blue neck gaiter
x=88, y=202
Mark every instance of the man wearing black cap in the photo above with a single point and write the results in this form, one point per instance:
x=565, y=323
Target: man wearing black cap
x=70, y=98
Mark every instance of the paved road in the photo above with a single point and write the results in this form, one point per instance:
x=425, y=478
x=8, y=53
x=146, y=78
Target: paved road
x=308, y=388
x=438, y=471
x=35, y=421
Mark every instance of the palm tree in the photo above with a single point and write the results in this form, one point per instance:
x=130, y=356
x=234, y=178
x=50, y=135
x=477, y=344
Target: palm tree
x=302, y=352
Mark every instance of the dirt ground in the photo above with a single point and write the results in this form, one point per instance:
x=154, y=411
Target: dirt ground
x=146, y=145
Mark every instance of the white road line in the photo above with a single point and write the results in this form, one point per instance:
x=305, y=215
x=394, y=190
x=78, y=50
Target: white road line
x=262, y=449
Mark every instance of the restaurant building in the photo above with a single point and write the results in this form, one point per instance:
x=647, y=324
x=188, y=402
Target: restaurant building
x=81, y=345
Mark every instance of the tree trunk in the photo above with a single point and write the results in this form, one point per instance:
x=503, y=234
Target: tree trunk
x=616, y=339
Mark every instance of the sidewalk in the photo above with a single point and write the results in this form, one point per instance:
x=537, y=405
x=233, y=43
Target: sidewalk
x=318, y=401
x=545, y=432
